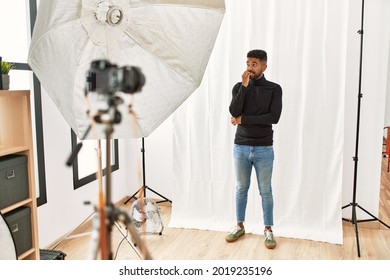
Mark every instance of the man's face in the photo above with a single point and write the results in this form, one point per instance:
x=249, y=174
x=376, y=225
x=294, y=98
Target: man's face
x=256, y=67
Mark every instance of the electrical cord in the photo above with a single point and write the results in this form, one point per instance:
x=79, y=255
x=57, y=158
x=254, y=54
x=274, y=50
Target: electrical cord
x=119, y=245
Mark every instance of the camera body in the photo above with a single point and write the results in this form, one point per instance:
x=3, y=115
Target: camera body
x=107, y=78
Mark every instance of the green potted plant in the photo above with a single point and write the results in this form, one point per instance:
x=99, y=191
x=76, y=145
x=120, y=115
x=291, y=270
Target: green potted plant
x=5, y=68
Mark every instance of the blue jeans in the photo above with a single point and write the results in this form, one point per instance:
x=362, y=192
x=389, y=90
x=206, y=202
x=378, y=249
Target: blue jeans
x=261, y=158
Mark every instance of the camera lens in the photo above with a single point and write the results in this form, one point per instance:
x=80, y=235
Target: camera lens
x=133, y=79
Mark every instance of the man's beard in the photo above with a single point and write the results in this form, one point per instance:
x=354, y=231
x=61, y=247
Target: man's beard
x=256, y=76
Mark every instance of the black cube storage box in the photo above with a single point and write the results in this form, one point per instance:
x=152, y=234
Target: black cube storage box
x=51, y=254
x=13, y=180
x=19, y=221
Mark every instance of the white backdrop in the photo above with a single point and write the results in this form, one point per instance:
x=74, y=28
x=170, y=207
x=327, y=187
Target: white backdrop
x=313, y=52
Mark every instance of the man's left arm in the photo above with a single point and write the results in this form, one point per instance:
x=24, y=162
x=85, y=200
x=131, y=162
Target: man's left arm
x=269, y=118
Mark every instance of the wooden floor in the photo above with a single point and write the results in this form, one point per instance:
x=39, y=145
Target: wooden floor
x=184, y=244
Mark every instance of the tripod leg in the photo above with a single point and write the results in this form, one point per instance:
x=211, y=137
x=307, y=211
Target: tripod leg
x=166, y=199
x=354, y=221
x=375, y=218
x=134, y=195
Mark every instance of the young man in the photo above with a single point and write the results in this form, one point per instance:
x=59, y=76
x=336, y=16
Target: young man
x=255, y=106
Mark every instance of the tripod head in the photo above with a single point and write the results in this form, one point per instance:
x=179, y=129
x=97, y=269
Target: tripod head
x=111, y=115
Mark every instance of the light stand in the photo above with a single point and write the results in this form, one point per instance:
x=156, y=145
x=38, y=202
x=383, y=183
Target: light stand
x=353, y=204
x=144, y=186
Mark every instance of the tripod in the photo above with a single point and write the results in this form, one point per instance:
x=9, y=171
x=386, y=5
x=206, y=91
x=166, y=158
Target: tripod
x=144, y=186
x=108, y=214
x=353, y=204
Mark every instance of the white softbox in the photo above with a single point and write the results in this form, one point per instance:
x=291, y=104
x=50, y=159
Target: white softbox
x=169, y=40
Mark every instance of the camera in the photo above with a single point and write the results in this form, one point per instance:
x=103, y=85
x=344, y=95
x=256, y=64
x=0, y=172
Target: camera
x=104, y=77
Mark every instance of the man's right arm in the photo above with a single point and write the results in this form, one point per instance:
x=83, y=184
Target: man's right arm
x=238, y=98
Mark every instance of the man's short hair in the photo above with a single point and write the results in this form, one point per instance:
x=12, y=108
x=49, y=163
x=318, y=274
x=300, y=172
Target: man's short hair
x=259, y=54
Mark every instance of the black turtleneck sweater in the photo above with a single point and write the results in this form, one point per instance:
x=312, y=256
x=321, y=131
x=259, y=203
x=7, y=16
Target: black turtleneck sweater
x=260, y=106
